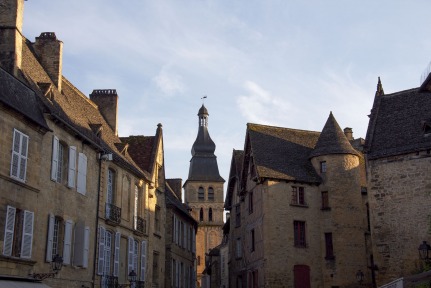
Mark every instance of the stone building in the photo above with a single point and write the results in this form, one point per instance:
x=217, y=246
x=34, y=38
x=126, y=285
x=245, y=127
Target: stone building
x=68, y=184
x=398, y=146
x=180, y=239
x=298, y=201
x=203, y=192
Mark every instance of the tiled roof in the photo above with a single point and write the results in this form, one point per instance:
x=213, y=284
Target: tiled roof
x=19, y=97
x=72, y=108
x=396, y=123
x=141, y=148
x=172, y=200
x=332, y=140
x=176, y=185
x=283, y=153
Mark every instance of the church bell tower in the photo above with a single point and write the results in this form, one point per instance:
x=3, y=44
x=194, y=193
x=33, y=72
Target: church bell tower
x=203, y=192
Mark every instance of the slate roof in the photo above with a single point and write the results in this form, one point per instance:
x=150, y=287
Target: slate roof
x=73, y=109
x=203, y=165
x=396, y=123
x=234, y=176
x=332, y=140
x=283, y=153
x=142, y=150
x=22, y=99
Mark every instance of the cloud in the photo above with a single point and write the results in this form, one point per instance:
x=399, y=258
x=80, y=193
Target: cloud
x=260, y=106
x=169, y=82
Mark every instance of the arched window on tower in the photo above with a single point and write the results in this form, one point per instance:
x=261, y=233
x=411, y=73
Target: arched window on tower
x=201, y=193
x=210, y=215
x=210, y=194
x=201, y=215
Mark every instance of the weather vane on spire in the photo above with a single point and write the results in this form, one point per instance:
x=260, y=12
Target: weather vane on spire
x=203, y=99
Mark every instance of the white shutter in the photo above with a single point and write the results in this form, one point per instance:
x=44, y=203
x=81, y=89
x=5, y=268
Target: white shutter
x=50, y=239
x=86, y=246
x=27, y=234
x=135, y=256
x=117, y=253
x=101, y=259
x=54, y=160
x=82, y=173
x=143, y=259
x=130, y=255
x=67, y=242
x=24, y=155
x=19, y=155
x=71, y=176
x=9, y=231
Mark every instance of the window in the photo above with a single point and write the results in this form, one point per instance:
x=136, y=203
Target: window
x=132, y=258
x=59, y=240
x=323, y=167
x=298, y=196
x=108, y=251
x=63, y=161
x=210, y=215
x=211, y=194
x=157, y=219
x=253, y=279
x=299, y=234
x=81, y=245
x=252, y=244
x=143, y=259
x=155, y=269
x=201, y=215
x=135, y=208
x=18, y=235
x=82, y=174
x=238, y=253
x=250, y=202
x=329, y=247
x=325, y=200
x=301, y=275
x=19, y=156
x=201, y=194
x=237, y=215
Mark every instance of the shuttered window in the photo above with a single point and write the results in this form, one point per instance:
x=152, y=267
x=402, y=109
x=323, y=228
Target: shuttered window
x=18, y=236
x=82, y=174
x=71, y=174
x=117, y=254
x=19, y=156
x=67, y=246
x=143, y=259
x=101, y=252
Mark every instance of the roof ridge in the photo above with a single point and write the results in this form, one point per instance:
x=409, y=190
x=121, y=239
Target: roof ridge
x=279, y=127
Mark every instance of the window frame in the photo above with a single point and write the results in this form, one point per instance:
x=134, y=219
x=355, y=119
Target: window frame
x=19, y=156
x=298, y=196
x=300, y=235
x=329, y=247
x=325, y=200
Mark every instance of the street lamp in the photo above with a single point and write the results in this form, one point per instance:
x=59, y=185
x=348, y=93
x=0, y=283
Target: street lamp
x=424, y=249
x=132, y=277
x=359, y=276
x=56, y=265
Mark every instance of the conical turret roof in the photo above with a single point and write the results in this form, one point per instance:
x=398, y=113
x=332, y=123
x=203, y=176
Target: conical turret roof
x=332, y=140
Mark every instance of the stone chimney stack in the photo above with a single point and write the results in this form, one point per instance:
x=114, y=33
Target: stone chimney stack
x=349, y=133
x=107, y=102
x=50, y=53
x=11, y=17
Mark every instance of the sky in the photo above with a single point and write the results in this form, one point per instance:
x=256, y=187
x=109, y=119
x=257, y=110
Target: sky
x=284, y=63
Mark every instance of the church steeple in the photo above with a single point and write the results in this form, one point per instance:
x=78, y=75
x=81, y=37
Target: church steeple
x=203, y=165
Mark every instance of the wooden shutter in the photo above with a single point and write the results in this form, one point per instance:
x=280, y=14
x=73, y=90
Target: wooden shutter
x=86, y=246
x=143, y=259
x=19, y=155
x=54, y=160
x=71, y=174
x=117, y=253
x=27, y=234
x=130, y=255
x=82, y=173
x=301, y=276
x=24, y=155
x=9, y=231
x=101, y=258
x=67, y=242
x=50, y=238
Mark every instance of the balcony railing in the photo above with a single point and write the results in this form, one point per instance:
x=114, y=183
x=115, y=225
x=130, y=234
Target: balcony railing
x=140, y=224
x=109, y=281
x=113, y=213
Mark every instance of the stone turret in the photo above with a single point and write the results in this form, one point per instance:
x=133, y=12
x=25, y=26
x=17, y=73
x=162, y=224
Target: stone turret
x=107, y=103
x=50, y=53
x=11, y=18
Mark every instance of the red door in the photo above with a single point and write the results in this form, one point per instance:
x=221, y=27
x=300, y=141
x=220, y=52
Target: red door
x=301, y=276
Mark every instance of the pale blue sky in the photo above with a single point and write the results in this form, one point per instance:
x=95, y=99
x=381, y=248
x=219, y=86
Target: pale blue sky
x=284, y=63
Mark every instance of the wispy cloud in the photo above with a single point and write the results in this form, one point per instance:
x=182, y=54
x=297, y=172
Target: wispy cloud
x=169, y=82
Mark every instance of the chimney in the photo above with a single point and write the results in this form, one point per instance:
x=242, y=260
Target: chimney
x=50, y=53
x=107, y=102
x=349, y=133
x=11, y=17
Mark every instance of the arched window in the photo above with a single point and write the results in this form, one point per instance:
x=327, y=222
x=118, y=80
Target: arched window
x=201, y=193
x=211, y=194
x=210, y=214
x=201, y=215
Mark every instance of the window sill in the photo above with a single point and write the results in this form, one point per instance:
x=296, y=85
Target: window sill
x=299, y=205
x=17, y=260
x=330, y=258
x=20, y=183
x=326, y=209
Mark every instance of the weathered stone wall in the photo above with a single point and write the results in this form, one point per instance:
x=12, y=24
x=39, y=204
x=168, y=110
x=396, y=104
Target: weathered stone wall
x=400, y=200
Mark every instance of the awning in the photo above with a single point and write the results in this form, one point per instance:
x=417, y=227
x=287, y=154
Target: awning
x=21, y=284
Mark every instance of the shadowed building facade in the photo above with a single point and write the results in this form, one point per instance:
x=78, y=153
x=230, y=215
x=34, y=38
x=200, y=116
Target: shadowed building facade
x=203, y=192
